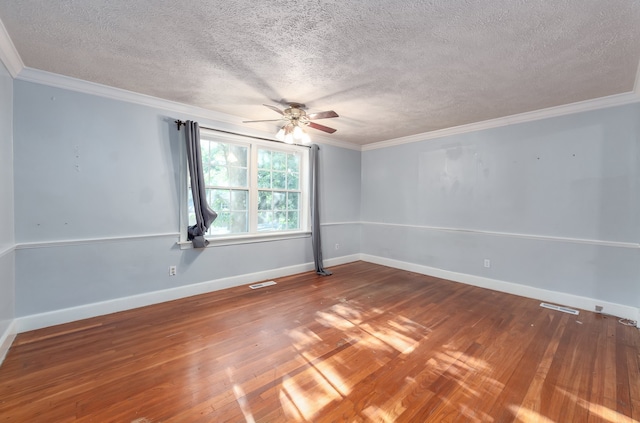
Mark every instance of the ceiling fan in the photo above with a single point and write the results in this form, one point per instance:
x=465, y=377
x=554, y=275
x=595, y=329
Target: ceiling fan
x=296, y=118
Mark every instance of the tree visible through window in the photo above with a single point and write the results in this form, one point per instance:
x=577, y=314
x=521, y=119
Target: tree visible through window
x=254, y=188
x=278, y=190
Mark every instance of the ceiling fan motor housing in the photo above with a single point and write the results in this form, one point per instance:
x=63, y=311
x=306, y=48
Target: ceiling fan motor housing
x=296, y=115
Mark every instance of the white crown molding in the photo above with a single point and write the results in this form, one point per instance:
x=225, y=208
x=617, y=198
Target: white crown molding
x=335, y=143
x=92, y=88
x=9, y=54
x=10, y=57
x=582, y=106
x=562, y=298
x=60, y=81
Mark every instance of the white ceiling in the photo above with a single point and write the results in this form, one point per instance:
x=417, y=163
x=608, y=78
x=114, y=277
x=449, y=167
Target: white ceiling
x=389, y=68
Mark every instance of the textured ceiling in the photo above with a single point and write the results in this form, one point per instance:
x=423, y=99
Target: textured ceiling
x=390, y=69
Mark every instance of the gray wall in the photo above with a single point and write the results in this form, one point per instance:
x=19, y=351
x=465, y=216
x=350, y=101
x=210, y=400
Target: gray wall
x=90, y=168
x=551, y=203
x=7, y=241
x=339, y=181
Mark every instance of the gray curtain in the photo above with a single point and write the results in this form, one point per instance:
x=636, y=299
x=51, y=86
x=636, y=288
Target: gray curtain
x=315, y=216
x=204, y=215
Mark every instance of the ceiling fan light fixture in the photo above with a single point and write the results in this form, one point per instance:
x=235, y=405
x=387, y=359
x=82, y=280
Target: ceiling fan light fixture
x=288, y=133
x=306, y=139
x=288, y=138
x=297, y=133
x=295, y=129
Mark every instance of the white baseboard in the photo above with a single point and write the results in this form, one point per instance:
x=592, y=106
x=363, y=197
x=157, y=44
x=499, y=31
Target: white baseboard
x=336, y=261
x=561, y=298
x=57, y=317
x=6, y=339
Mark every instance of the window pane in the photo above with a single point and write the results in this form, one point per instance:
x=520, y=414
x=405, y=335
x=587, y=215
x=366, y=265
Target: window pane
x=279, y=200
x=238, y=177
x=220, y=200
x=265, y=200
x=218, y=154
x=265, y=221
x=279, y=180
x=293, y=163
x=292, y=220
x=292, y=200
x=224, y=165
x=293, y=181
x=280, y=220
x=238, y=223
x=218, y=176
x=230, y=223
x=239, y=200
x=220, y=226
x=264, y=179
x=264, y=159
x=279, y=161
x=238, y=155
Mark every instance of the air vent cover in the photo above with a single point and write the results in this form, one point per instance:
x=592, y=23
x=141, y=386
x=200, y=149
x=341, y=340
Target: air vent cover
x=261, y=284
x=560, y=308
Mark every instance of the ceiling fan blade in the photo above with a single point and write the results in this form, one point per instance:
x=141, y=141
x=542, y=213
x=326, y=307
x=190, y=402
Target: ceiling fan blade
x=322, y=128
x=274, y=108
x=322, y=115
x=264, y=120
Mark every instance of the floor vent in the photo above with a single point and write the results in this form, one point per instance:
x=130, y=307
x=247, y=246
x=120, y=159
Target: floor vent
x=559, y=308
x=261, y=285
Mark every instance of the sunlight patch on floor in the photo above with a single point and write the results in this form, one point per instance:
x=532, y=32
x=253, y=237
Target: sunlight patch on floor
x=305, y=394
x=397, y=341
x=376, y=414
x=524, y=415
x=462, y=360
x=243, y=403
x=395, y=334
x=303, y=338
x=599, y=410
x=289, y=408
x=329, y=372
x=333, y=321
x=309, y=391
x=348, y=313
x=394, y=406
x=473, y=416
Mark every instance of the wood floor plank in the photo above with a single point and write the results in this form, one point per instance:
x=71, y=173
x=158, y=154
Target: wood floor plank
x=369, y=343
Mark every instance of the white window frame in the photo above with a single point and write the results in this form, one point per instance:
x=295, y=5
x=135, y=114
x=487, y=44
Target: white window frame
x=253, y=144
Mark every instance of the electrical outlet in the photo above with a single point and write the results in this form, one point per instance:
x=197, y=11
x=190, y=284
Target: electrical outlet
x=337, y=246
x=599, y=309
x=172, y=270
x=487, y=263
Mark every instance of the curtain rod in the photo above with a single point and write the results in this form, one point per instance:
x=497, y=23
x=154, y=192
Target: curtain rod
x=180, y=123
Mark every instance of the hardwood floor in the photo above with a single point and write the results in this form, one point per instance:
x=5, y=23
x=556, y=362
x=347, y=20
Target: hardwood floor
x=369, y=343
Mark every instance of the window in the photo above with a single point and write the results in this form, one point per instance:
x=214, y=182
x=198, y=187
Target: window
x=258, y=188
x=278, y=190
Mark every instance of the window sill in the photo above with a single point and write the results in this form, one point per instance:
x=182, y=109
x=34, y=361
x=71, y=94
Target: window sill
x=246, y=239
